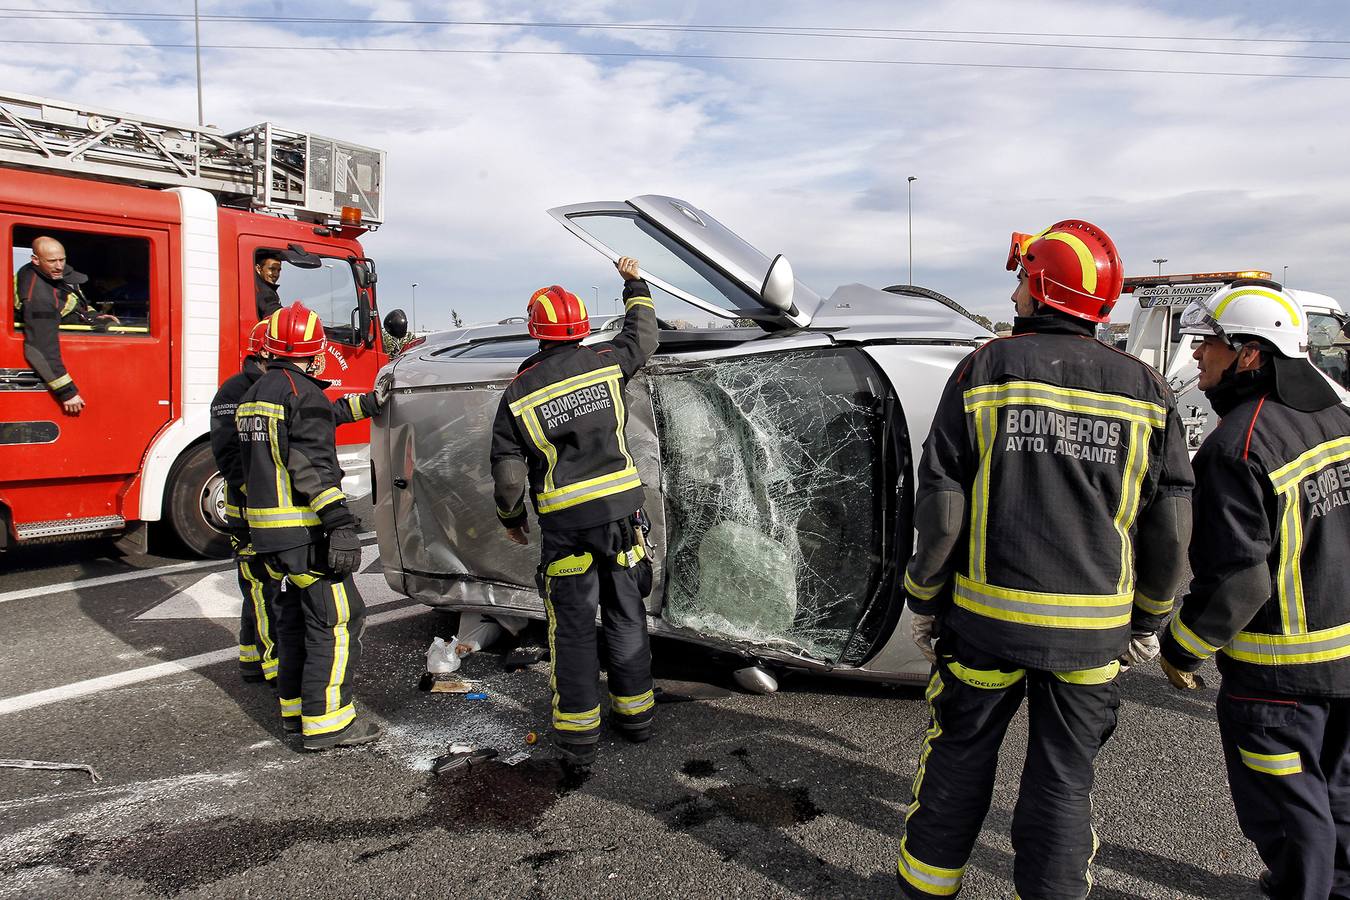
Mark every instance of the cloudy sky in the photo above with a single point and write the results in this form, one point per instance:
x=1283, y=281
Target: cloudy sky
x=801, y=142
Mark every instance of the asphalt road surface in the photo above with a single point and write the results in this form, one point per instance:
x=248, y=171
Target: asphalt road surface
x=126, y=665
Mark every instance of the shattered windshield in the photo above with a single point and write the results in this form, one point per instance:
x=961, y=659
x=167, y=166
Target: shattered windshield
x=771, y=466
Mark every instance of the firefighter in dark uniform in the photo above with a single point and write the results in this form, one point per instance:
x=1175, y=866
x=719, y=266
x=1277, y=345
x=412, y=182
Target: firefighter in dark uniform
x=560, y=429
x=257, y=643
x=266, y=275
x=1052, y=513
x=303, y=532
x=1269, y=597
x=47, y=295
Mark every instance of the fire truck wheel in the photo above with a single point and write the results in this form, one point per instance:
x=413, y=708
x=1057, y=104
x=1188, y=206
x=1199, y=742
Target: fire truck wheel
x=197, y=504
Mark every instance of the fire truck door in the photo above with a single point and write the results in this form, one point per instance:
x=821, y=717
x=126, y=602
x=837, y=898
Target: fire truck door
x=118, y=354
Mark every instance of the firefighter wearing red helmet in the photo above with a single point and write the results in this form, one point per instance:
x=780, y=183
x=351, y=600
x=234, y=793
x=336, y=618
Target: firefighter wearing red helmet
x=257, y=641
x=560, y=432
x=302, y=531
x=1052, y=514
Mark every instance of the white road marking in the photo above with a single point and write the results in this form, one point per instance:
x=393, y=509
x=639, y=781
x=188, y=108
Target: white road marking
x=157, y=571
x=103, y=683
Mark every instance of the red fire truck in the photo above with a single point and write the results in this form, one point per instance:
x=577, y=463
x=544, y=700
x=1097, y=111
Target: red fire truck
x=166, y=222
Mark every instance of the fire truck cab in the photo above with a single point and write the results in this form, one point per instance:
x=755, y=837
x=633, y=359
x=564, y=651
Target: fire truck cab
x=166, y=223
x=1155, y=337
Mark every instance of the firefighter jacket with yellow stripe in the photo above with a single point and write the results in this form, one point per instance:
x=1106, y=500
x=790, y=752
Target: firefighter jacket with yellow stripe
x=225, y=434
x=1271, y=548
x=292, y=482
x=1049, y=452
x=562, y=420
x=43, y=304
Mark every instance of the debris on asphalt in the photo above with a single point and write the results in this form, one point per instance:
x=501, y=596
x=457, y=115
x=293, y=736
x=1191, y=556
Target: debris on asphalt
x=668, y=691
x=523, y=658
x=476, y=695
x=516, y=758
x=58, y=766
x=461, y=759
x=444, y=684
x=442, y=658
x=531, y=737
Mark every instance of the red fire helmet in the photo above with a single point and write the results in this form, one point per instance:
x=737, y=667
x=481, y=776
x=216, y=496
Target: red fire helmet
x=557, y=315
x=1072, y=266
x=294, y=331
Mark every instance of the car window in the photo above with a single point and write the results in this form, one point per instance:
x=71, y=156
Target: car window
x=771, y=472
x=1328, y=346
x=511, y=349
x=666, y=260
x=107, y=282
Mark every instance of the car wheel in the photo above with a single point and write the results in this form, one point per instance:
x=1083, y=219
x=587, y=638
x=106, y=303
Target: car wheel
x=196, y=497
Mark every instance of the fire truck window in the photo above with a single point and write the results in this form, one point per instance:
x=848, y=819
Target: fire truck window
x=329, y=290
x=109, y=274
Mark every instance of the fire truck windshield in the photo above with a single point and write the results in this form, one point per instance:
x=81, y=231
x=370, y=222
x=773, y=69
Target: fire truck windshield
x=329, y=290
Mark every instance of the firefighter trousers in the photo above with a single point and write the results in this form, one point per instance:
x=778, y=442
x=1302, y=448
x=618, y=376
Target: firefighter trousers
x=1289, y=770
x=318, y=629
x=973, y=695
x=580, y=570
x=257, y=617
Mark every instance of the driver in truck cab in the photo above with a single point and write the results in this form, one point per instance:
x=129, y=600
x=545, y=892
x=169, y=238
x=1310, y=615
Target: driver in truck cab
x=560, y=432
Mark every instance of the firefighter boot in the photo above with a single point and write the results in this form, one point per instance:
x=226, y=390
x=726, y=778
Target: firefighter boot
x=361, y=731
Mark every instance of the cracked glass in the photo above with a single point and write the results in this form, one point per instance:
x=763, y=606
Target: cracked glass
x=771, y=473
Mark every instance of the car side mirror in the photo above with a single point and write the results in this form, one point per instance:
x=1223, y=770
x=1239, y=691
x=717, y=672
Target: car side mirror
x=396, y=323
x=779, y=284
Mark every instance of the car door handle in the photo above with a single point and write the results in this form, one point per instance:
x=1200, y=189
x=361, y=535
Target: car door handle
x=400, y=482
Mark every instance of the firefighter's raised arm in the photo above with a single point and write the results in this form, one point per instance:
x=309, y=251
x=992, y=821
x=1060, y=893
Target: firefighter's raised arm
x=637, y=341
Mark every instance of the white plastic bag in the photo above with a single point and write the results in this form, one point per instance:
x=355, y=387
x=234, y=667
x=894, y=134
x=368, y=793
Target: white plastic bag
x=441, y=657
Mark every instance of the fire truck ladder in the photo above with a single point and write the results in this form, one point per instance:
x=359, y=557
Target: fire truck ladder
x=289, y=173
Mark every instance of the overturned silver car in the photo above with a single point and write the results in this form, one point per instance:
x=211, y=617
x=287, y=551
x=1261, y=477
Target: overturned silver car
x=777, y=457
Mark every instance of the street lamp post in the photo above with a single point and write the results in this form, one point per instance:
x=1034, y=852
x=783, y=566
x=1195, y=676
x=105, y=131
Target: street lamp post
x=910, y=187
x=414, y=306
x=1160, y=262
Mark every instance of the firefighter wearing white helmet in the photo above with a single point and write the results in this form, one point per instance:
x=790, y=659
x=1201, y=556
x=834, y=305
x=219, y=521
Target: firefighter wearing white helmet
x=1269, y=598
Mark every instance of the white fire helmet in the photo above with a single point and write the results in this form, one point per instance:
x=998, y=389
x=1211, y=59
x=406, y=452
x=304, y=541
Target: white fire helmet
x=1254, y=309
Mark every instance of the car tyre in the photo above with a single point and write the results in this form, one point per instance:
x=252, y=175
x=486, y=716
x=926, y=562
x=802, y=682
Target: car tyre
x=194, y=483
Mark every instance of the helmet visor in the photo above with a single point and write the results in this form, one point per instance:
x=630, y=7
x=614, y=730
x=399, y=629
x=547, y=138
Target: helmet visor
x=1197, y=319
x=1017, y=248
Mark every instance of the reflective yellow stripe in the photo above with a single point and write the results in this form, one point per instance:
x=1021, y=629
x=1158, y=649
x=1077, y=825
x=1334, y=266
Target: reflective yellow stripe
x=535, y=432
x=632, y=706
x=582, y=721
x=985, y=430
x=932, y=880
x=281, y=517
x=111, y=329
x=1310, y=461
x=590, y=489
x=68, y=307
x=283, y=477
x=310, y=325
x=301, y=580
x=566, y=386
x=1095, y=611
x=1257, y=292
x=1099, y=675
x=1136, y=465
x=248, y=653
x=519, y=508
x=638, y=301
x=1034, y=393
x=328, y=722
x=986, y=679
x=290, y=707
x=60, y=382
x=1289, y=578
x=325, y=498
x=1151, y=606
x=341, y=649
x=1190, y=641
x=935, y=686
x=544, y=301
x=576, y=564
x=632, y=556
x=918, y=591
x=260, y=408
x=1325, y=645
x=1272, y=763
x=261, y=622
x=1085, y=260
x=620, y=417
x=354, y=404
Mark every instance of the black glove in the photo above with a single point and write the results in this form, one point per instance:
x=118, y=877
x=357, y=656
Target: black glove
x=344, y=550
